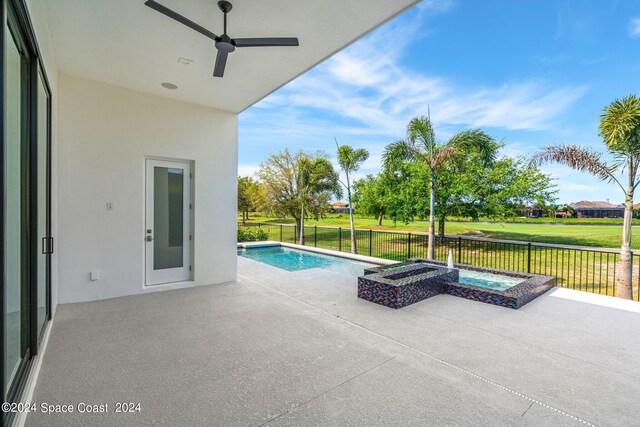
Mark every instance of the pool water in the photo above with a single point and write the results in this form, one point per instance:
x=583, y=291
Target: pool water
x=295, y=260
x=481, y=279
x=488, y=280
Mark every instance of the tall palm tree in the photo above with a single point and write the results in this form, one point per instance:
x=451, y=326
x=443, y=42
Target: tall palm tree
x=316, y=176
x=420, y=145
x=350, y=160
x=620, y=131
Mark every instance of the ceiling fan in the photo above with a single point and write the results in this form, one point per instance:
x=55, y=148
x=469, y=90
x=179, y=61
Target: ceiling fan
x=224, y=43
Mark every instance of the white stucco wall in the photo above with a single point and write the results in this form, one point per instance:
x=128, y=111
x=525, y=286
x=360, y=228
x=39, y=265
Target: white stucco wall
x=104, y=134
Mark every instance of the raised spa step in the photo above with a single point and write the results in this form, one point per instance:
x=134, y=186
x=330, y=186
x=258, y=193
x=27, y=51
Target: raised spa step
x=399, y=285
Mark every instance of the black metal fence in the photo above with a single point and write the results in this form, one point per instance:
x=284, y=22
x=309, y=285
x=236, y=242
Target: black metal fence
x=575, y=267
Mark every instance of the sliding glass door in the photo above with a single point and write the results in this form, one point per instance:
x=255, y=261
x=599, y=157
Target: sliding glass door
x=15, y=315
x=25, y=206
x=43, y=209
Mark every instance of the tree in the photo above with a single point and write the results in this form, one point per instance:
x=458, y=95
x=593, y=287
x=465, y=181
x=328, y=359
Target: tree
x=511, y=183
x=317, y=181
x=420, y=145
x=369, y=196
x=279, y=177
x=472, y=187
x=568, y=210
x=464, y=182
x=297, y=185
x=250, y=196
x=620, y=130
x=350, y=160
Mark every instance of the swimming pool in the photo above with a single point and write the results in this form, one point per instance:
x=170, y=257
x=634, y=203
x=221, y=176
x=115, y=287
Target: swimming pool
x=295, y=260
x=379, y=284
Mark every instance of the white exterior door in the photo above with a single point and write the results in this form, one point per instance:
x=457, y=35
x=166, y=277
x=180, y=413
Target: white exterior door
x=168, y=222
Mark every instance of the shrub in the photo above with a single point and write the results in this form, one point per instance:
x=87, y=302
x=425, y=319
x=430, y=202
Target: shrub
x=245, y=235
x=252, y=235
x=261, y=235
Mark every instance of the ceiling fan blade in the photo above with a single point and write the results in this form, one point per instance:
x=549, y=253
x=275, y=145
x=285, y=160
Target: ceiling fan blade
x=267, y=41
x=221, y=62
x=181, y=19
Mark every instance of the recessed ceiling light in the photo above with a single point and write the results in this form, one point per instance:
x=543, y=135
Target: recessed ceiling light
x=185, y=61
x=167, y=85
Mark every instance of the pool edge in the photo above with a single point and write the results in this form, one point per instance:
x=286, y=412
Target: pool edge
x=354, y=257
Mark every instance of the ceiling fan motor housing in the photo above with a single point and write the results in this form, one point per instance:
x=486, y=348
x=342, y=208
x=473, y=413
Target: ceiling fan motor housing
x=225, y=44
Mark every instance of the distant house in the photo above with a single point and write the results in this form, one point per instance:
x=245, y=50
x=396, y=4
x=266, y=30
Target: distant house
x=531, y=211
x=587, y=209
x=563, y=214
x=340, y=208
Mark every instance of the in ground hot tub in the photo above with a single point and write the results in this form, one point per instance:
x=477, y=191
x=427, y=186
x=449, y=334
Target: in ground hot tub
x=494, y=286
x=399, y=285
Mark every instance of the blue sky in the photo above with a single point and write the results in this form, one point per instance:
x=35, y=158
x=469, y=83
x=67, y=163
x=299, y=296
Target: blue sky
x=529, y=72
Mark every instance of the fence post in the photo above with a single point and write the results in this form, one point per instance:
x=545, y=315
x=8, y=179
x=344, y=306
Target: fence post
x=370, y=241
x=315, y=236
x=529, y=257
x=408, y=245
x=340, y=239
x=281, y=232
x=295, y=233
x=631, y=262
x=460, y=249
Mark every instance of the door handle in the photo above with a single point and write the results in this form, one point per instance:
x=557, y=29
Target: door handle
x=47, y=245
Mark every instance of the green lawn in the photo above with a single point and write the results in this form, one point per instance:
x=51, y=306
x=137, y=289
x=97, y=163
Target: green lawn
x=567, y=232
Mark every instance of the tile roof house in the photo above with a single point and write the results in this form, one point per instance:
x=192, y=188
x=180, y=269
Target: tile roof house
x=340, y=207
x=598, y=209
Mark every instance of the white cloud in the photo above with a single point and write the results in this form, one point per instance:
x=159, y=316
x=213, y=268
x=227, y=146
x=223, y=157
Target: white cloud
x=247, y=170
x=365, y=92
x=571, y=186
x=435, y=6
x=517, y=149
x=365, y=97
x=635, y=27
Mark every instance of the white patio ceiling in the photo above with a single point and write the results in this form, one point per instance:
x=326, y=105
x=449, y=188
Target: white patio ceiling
x=125, y=43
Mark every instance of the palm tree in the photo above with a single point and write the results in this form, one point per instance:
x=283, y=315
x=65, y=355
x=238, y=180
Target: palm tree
x=350, y=160
x=316, y=177
x=420, y=145
x=620, y=131
x=568, y=210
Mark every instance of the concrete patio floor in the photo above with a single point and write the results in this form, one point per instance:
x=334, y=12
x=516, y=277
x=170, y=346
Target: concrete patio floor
x=299, y=348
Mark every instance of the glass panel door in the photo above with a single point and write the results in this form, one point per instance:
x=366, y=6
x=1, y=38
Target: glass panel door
x=42, y=166
x=16, y=328
x=168, y=219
